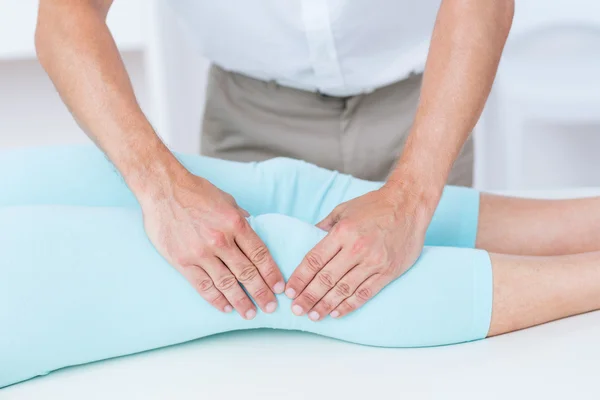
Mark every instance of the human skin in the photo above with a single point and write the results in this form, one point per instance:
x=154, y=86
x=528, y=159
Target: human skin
x=531, y=290
x=199, y=229
x=553, y=268
x=375, y=238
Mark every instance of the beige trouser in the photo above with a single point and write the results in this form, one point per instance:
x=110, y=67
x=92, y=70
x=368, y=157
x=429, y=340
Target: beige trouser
x=251, y=120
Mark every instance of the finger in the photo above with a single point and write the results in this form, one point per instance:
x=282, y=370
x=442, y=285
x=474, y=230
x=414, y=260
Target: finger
x=228, y=285
x=365, y=292
x=245, y=213
x=343, y=289
x=255, y=250
x=205, y=286
x=249, y=276
x=312, y=263
x=329, y=221
x=323, y=282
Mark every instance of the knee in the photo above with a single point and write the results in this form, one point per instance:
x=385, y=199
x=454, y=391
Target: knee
x=287, y=238
x=288, y=169
x=282, y=164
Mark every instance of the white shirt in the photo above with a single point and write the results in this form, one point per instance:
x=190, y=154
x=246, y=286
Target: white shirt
x=336, y=47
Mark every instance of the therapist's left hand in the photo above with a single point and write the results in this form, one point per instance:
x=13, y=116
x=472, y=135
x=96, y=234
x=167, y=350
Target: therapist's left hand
x=371, y=241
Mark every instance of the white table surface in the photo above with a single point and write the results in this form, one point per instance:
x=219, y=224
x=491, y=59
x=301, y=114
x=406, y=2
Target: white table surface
x=557, y=360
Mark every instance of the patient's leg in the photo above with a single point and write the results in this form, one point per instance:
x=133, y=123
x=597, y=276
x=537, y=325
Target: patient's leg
x=538, y=227
x=81, y=175
x=530, y=290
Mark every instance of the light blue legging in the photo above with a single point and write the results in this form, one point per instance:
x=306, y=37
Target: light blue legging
x=80, y=281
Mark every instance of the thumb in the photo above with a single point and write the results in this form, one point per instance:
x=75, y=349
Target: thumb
x=329, y=221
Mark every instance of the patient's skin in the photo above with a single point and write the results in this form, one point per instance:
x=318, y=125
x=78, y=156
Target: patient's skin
x=531, y=290
x=511, y=225
x=554, y=271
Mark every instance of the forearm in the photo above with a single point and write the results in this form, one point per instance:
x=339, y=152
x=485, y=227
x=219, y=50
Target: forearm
x=465, y=49
x=77, y=50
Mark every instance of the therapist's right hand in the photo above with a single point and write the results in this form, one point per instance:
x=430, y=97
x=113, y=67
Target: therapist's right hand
x=204, y=234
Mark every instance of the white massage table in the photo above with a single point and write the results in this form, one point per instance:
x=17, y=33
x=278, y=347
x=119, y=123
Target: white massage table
x=558, y=360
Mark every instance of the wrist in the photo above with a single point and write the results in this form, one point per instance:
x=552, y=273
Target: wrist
x=416, y=190
x=152, y=173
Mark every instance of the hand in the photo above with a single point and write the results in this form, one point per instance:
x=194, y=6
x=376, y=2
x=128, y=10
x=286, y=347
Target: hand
x=203, y=233
x=372, y=240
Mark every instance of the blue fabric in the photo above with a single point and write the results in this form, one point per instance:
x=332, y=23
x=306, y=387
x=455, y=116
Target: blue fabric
x=80, y=281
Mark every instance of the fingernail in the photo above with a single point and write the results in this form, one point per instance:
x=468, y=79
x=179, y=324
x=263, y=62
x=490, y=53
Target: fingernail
x=291, y=293
x=228, y=309
x=279, y=287
x=250, y=314
x=297, y=310
x=335, y=314
x=271, y=307
x=313, y=315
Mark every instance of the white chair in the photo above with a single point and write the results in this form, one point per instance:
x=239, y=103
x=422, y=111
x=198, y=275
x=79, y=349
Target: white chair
x=550, y=72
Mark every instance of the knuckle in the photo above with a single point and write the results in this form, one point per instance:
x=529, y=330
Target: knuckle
x=259, y=255
x=343, y=227
x=269, y=273
x=310, y=298
x=324, y=305
x=237, y=221
x=248, y=274
x=205, y=284
x=377, y=259
x=217, y=240
x=199, y=252
x=342, y=289
x=344, y=308
x=326, y=279
x=364, y=294
x=260, y=293
x=298, y=282
x=230, y=198
x=359, y=245
x=242, y=303
x=182, y=260
x=314, y=262
x=218, y=302
x=226, y=283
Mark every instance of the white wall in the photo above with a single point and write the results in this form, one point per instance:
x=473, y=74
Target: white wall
x=186, y=87
x=543, y=117
x=31, y=112
x=167, y=75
